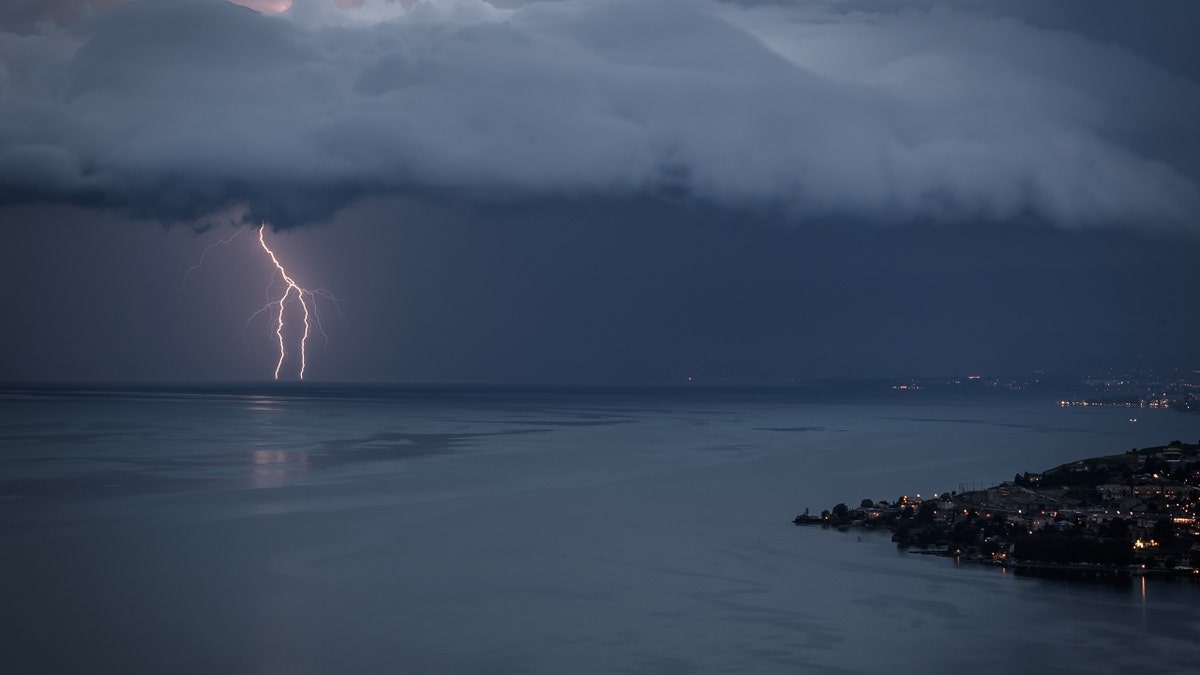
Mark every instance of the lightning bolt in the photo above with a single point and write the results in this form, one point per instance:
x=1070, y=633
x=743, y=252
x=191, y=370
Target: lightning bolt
x=292, y=292
x=203, y=255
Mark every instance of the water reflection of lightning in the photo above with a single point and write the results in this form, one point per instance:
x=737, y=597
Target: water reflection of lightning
x=308, y=304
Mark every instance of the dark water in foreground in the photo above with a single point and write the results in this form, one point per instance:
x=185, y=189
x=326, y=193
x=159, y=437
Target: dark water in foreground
x=484, y=531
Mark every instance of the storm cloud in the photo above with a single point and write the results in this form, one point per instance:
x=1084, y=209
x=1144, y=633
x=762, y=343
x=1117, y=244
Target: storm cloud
x=822, y=111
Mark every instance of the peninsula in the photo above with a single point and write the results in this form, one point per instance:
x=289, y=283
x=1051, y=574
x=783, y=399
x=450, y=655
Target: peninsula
x=1119, y=515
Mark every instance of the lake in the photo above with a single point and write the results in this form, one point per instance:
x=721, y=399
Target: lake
x=340, y=529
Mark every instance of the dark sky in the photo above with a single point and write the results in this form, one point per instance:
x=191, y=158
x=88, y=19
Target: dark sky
x=599, y=191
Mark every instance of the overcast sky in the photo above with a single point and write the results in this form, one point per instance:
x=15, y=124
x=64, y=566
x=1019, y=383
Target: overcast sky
x=598, y=190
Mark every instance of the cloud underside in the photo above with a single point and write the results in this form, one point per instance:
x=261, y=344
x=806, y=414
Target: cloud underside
x=179, y=110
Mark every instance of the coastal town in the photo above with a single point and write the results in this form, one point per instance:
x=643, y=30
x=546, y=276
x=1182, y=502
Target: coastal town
x=1175, y=390
x=1114, y=516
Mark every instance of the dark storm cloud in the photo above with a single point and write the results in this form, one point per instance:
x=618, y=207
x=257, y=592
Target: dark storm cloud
x=183, y=109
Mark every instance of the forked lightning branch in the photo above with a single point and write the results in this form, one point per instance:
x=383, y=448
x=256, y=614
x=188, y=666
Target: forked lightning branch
x=293, y=295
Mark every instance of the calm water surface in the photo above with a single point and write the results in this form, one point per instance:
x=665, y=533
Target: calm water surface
x=345, y=530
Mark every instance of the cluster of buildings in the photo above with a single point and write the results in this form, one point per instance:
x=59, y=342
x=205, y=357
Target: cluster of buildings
x=1183, y=401
x=1178, y=390
x=1134, y=511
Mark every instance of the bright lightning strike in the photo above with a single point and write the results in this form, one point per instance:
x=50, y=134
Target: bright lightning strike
x=292, y=292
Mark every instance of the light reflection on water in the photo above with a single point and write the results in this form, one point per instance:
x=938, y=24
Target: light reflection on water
x=522, y=534
x=257, y=403
x=273, y=468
